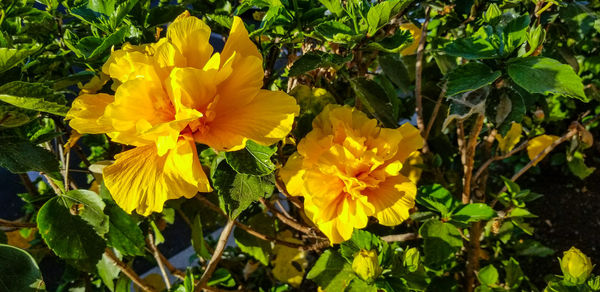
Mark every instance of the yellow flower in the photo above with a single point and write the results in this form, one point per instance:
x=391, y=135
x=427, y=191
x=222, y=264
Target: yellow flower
x=175, y=93
x=415, y=32
x=538, y=144
x=347, y=169
x=290, y=263
x=576, y=266
x=513, y=136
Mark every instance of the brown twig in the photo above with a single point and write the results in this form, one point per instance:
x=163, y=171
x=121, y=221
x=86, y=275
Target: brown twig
x=159, y=262
x=216, y=257
x=16, y=224
x=172, y=269
x=288, y=221
x=436, y=109
x=248, y=228
x=487, y=163
x=53, y=185
x=419, y=72
x=470, y=158
x=129, y=272
x=400, y=237
x=29, y=186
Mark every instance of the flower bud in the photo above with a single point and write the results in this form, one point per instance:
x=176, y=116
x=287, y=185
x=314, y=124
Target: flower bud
x=366, y=265
x=594, y=283
x=576, y=266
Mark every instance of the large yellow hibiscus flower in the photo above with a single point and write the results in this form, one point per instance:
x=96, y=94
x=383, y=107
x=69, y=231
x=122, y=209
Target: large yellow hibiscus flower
x=170, y=95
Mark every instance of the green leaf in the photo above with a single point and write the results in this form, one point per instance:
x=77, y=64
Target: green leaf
x=360, y=240
x=337, y=32
x=33, y=96
x=163, y=14
x=577, y=165
x=393, y=44
x=11, y=57
x=334, y=6
x=488, y=275
x=470, y=76
x=358, y=285
x=12, y=116
x=89, y=206
x=473, y=213
x=254, y=159
x=108, y=272
x=198, y=239
x=331, y=272
x=471, y=48
x=375, y=99
x=515, y=33
x=238, y=190
x=259, y=249
x=381, y=14
x=437, y=198
x=313, y=60
x=442, y=240
x=19, y=271
x=546, y=76
x=19, y=156
x=514, y=274
x=530, y=247
x=124, y=234
x=222, y=277
x=69, y=236
x=396, y=71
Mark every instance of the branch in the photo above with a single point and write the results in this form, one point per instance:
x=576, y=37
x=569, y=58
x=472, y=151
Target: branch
x=288, y=221
x=400, y=237
x=16, y=224
x=486, y=164
x=470, y=158
x=419, y=71
x=156, y=254
x=129, y=272
x=216, y=257
x=29, y=186
x=174, y=271
x=436, y=109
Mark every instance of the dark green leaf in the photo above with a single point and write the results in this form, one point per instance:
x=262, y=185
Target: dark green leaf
x=471, y=48
x=107, y=42
x=437, y=198
x=313, y=60
x=237, y=190
x=255, y=159
x=331, y=272
x=375, y=99
x=20, y=156
x=89, y=206
x=69, y=236
x=546, y=76
x=470, y=76
x=473, y=212
x=393, y=44
x=577, y=165
x=163, y=14
x=123, y=233
x=396, y=71
x=515, y=33
x=257, y=248
x=335, y=31
x=198, y=239
x=33, y=96
x=533, y=248
x=19, y=271
x=442, y=240
x=222, y=277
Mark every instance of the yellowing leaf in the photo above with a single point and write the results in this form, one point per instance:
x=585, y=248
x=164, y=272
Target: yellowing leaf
x=290, y=263
x=538, y=144
x=513, y=136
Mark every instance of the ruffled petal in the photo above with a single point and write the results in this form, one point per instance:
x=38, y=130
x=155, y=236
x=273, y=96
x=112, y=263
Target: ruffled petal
x=292, y=174
x=239, y=42
x=190, y=36
x=142, y=180
x=86, y=112
x=392, y=199
x=266, y=120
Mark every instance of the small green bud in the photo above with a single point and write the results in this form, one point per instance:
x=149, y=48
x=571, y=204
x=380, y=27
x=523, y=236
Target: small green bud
x=492, y=13
x=366, y=265
x=411, y=259
x=576, y=266
x=594, y=283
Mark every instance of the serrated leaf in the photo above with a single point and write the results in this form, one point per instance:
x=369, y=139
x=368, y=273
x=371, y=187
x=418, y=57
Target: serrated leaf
x=381, y=14
x=259, y=249
x=313, y=60
x=442, y=240
x=19, y=271
x=393, y=44
x=470, y=76
x=237, y=190
x=123, y=233
x=331, y=272
x=473, y=213
x=20, y=156
x=437, y=198
x=254, y=159
x=11, y=57
x=546, y=76
x=471, y=48
x=69, y=236
x=33, y=96
x=335, y=31
x=89, y=206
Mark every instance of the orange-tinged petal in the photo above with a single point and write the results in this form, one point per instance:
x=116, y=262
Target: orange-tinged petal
x=86, y=112
x=190, y=36
x=243, y=83
x=266, y=120
x=537, y=146
x=393, y=198
x=141, y=180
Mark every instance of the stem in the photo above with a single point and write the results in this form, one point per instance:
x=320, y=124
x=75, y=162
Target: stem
x=486, y=164
x=156, y=254
x=418, y=74
x=174, y=271
x=288, y=221
x=129, y=272
x=436, y=109
x=400, y=237
x=29, y=186
x=216, y=257
x=470, y=159
x=16, y=224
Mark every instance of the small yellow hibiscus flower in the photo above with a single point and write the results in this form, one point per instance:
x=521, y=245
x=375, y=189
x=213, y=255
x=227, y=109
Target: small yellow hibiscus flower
x=175, y=93
x=348, y=168
x=415, y=32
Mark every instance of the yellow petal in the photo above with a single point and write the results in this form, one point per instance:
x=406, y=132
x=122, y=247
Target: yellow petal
x=141, y=180
x=239, y=42
x=86, y=111
x=513, y=136
x=266, y=120
x=416, y=35
x=190, y=36
x=129, y=63
x=192, y=88
x=291, y=174
x=243, y=83
x=393, y=199
x=411, y=141
x=290, y=263
x=538, y=144
x=413, y=167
